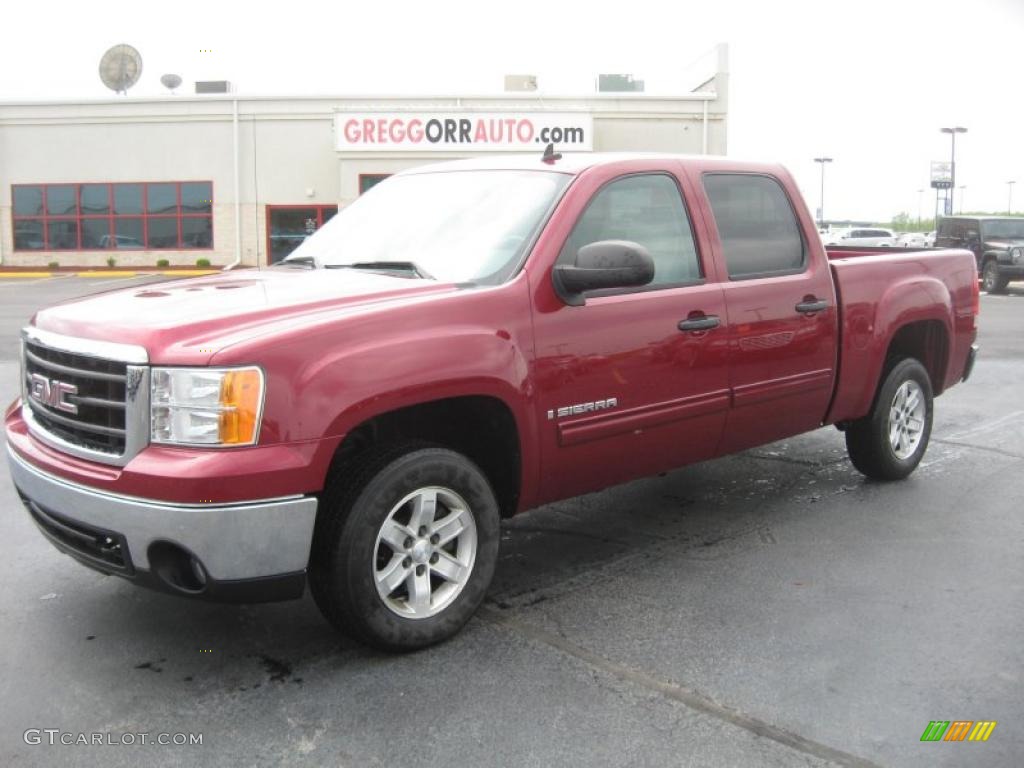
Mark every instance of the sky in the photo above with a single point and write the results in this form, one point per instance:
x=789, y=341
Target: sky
x=868, y=83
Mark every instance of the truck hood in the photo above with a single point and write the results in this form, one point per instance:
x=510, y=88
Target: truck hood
x=188, y=320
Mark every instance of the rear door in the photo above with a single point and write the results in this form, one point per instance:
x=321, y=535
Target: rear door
x=623, y=390
x=781, y=306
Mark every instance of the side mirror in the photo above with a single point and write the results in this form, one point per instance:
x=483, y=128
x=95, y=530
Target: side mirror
x=605, y=264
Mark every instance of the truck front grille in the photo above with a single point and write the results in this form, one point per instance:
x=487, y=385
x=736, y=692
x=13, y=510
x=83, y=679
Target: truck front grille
x=100, y=423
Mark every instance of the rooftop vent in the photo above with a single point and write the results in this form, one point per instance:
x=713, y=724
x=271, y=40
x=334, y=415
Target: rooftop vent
x=619, y=84
x=520, y=82
x=213, y=86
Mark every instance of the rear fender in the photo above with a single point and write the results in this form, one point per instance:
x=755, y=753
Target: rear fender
x=868, y=331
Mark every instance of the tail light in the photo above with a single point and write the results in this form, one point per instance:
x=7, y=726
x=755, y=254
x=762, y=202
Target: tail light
x=975, y=296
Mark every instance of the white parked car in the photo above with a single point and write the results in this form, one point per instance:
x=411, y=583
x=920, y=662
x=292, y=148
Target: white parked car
x=915, y=240
x=870, y=236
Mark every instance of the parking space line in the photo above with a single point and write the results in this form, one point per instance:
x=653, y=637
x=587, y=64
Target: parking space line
x=686, y=696
x=972, y=446
x=23, y=283
x=117, y=280
x=987, y=426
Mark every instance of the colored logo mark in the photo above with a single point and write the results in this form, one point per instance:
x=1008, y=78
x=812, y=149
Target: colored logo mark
x=958, y=730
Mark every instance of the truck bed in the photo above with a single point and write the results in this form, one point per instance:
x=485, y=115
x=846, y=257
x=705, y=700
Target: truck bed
x=879, y=289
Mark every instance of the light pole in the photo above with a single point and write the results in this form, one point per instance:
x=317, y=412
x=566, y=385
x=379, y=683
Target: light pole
x=821, y=210
x=963, y=188
x=920, y=192
x=1009, y=199
x=952, y=159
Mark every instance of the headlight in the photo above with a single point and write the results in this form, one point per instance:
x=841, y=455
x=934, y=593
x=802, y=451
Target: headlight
x=206, y=406
x=1016, y=254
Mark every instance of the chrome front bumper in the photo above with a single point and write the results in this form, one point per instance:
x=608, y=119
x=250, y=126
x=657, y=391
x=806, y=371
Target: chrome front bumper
x=238, y=546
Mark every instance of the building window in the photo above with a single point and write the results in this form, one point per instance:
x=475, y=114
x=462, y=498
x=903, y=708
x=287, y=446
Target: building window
x=368, y=181
x=289, y=225
x=174, y=215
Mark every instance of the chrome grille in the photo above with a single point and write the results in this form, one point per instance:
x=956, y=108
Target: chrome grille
x=100, y=422
x=102, y=411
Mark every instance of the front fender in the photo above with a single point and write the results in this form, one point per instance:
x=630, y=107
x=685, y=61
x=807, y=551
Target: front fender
x=327, y=377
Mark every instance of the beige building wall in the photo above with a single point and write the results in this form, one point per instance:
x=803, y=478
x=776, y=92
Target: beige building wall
x=285, y=152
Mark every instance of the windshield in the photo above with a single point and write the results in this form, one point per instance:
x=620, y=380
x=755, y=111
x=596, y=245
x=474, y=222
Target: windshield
x=1005, y=229
x=454, y=226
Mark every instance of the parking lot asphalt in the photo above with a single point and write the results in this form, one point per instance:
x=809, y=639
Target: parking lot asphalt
x=767, y=609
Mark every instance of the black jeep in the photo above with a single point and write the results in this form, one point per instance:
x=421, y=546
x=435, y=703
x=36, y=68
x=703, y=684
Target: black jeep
x=997, y=242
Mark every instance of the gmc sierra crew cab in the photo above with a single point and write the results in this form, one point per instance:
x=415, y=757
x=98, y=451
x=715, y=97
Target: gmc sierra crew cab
x=464, y=342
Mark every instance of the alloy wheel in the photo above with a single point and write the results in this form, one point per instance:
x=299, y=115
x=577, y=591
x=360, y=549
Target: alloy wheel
x=425, y=552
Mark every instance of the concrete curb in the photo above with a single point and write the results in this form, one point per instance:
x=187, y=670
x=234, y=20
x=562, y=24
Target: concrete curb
x=109, y=273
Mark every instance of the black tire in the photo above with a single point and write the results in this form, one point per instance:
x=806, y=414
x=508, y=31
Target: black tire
x=354, y=508
x=991, y=280
x=868, y=439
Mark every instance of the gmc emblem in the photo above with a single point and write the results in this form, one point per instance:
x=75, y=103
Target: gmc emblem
x=52, y=392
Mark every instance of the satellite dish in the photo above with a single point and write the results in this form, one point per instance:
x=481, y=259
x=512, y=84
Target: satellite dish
x=120, y=68
x=170, y=82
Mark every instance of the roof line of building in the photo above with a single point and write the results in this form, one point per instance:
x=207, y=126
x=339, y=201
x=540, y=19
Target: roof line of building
x=510, y=96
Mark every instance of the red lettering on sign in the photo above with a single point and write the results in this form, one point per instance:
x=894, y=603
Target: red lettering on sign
x=351, y=131
x=481, y=132
x=510, y=123
x=415, y=131
x=525, y=130
x=368, y=131
x=396, y=132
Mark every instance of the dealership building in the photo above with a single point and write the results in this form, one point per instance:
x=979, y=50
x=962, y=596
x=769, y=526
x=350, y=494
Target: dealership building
x=242, y=180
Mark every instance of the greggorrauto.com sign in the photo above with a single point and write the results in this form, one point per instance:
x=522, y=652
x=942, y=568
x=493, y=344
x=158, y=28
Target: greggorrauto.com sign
x=462, y=131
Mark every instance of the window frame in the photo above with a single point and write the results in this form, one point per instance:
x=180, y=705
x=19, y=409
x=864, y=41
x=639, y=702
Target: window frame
x=806, y=262
x=564, y=258
x=320, y=220
x=111, y=217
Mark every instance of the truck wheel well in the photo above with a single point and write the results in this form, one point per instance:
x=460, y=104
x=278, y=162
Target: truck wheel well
x=479, y=427
x=927, y=341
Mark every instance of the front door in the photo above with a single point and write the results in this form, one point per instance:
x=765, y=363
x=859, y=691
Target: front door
x=289, y=225
x=623, y=391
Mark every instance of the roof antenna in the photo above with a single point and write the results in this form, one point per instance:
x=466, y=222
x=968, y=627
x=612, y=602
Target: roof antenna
x=550, y=155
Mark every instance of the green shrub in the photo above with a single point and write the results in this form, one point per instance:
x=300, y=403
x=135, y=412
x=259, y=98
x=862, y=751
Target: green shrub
x=111, y=262
x=202, y=262
x=163, y=263
x=53, y=264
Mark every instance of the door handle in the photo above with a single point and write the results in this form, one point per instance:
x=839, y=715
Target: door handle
x=812, y=306
x=699, y=323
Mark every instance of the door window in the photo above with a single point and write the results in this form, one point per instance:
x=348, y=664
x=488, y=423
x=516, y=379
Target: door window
x=757, y=227
x=645, y=209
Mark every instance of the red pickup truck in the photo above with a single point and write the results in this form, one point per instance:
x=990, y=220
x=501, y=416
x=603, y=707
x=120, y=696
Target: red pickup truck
x=464, y=342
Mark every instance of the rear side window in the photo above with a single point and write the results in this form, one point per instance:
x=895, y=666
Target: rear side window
x=756, y=224
x=646, y=209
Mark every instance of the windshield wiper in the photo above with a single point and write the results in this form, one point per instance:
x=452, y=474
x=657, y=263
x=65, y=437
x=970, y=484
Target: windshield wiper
x=390, y=267
x=299, y=261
